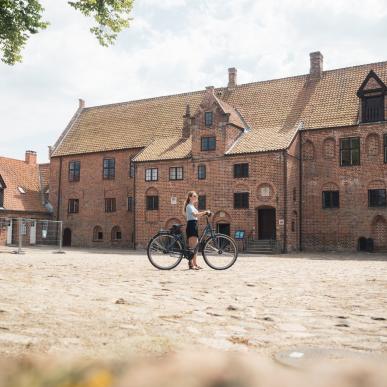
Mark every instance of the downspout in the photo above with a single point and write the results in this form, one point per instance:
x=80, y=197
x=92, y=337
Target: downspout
x=284, y=152
x=134, y=205
x=300, y=196
x=59, y=189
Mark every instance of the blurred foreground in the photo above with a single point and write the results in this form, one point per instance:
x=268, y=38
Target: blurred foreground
x=212, y=369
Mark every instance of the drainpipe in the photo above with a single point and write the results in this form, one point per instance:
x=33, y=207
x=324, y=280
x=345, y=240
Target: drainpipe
x=300, y=196
x=134, y=204
x=284, y=152
x=59, y=189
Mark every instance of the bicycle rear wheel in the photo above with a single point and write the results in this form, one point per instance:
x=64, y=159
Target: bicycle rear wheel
x=220, y=252
x=164, y=251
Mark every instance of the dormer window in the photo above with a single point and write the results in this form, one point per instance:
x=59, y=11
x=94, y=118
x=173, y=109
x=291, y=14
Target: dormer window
x=372, y=93
x=373, y=109
x=208, y=118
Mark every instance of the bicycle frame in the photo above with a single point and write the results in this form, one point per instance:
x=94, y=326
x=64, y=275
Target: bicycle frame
x=208, y=231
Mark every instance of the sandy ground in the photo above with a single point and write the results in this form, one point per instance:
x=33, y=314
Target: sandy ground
x=114, y=303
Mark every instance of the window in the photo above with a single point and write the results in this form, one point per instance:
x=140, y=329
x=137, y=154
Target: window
x=202, y=202
x=385, y=148
x=1, y=196
x=376, y=198
x=109, y=169
x=208, y=118
x=73, y=206
x=74, y=170
x=97, y=234
x=116, y=233
x=152, y=203
x=130, y=204
x=373, y=109
x=132, y=170
x=350, y=151
x=241, y=170
x=208, y=143
x=241, y=200
x=151, y=174
x=176, y=173
x=330, y=199
x=202, y=172
x=110, y=205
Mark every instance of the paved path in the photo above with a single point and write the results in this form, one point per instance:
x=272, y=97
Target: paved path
x=111, y=304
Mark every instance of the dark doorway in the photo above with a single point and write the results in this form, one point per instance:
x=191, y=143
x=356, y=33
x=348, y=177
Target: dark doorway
x=223, y=228
x=67, y=237
x=266, y=223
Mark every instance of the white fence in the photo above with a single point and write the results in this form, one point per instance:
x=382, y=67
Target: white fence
x=23, y=232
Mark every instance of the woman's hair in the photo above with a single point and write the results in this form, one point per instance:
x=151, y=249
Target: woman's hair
x=187, y=200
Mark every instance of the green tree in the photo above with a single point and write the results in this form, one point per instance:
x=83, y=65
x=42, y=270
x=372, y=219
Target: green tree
x=19, y=19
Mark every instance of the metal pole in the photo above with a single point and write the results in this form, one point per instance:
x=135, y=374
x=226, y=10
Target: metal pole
x=60, y=236
x=20, y=221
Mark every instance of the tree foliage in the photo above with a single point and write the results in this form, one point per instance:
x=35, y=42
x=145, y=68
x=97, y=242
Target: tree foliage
x=19, y=19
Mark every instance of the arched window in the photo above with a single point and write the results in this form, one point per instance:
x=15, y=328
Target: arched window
x=116, y=234
x=308, y=151
x=97, y=234
x=372, y=144
x=329, y=148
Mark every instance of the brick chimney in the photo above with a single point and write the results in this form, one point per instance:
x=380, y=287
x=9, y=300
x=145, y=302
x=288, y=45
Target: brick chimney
x=186, y=132
x=81, y=103
x=232, y=78
x=31, y=157
x=316, y=65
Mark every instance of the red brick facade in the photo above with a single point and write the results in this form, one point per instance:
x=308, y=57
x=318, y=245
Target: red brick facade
x=285, y=181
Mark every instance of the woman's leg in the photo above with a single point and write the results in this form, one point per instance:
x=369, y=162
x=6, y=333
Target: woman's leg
x=192, y=242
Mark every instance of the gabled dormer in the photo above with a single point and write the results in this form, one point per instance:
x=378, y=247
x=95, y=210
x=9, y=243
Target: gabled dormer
x=2, y=188
x=216, y=126
x=372, y=94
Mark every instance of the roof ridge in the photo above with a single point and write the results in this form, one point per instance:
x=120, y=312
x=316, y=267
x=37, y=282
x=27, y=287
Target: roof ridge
x=188, y=93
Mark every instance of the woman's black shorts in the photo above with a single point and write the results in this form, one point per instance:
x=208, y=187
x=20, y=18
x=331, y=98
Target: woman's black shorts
x=192, y=228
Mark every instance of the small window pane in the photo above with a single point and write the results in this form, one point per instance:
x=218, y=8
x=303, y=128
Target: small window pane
x=151, y=174
x=377, y=198
x=330, y=199
x=108, y=168
x=130, y=203
x=208, y=118
x=74, y=170
x=241, y=170
x=208, y=143
x=152, y=203
x=201, y=172
x=241, y=200
x=202, y=202
x=350, y=151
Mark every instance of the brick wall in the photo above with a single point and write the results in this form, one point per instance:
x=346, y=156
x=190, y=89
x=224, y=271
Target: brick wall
x=337, y=229
x=91, y=191
x=265, y=170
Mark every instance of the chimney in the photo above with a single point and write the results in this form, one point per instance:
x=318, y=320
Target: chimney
x=232, y=78
x=31, y=157
x=186, y=132
x=81, y=103
x=316, y=65
x=210, y=89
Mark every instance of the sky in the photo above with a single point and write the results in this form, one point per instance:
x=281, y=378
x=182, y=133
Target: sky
x=174, y=46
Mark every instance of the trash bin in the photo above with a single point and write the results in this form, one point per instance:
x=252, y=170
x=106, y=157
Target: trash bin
x=362, y=244
x=370, y=245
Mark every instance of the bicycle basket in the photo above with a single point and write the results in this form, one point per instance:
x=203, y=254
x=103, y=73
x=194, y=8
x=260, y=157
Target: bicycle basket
x=176, y=229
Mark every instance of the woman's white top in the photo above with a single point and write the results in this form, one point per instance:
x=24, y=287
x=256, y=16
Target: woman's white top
x=190, y=212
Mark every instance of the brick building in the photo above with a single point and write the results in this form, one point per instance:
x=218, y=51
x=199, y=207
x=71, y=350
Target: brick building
x=301, y=161
x=23, y=194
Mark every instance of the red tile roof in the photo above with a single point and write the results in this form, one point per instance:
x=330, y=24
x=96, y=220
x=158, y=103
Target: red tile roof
x=21, y=177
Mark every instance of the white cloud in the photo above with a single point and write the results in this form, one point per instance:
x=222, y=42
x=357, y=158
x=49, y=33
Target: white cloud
x=175, y=46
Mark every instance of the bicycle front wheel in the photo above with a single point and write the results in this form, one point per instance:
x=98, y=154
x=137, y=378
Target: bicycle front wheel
x=220, y=252
x=164, y=251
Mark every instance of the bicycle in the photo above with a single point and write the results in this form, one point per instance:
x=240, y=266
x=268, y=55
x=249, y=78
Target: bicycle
x=167, y=248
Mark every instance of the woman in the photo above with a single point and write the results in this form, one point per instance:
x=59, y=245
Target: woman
x=192, y=214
